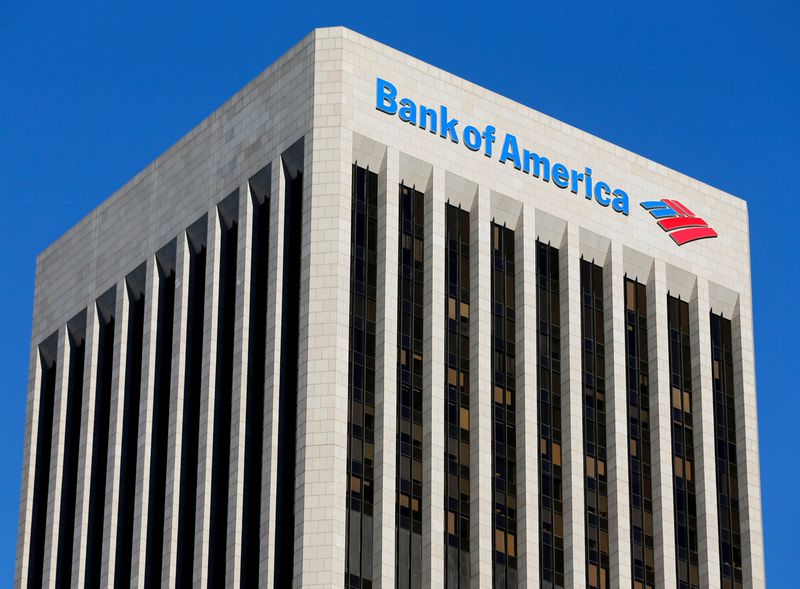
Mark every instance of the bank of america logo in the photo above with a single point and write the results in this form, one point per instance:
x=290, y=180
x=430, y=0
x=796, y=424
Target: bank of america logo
x=681, y=223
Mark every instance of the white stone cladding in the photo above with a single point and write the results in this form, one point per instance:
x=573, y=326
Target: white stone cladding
x=323, y=92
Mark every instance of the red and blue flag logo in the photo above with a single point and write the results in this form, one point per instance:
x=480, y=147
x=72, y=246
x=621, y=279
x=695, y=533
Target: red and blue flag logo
x=677, y=220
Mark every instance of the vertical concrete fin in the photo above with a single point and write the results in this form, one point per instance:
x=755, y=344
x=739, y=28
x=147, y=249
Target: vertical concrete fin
x=527, y=405
x=572, y=410
x=241, y=338
x=321, y=466
x=433, y=434
x=207, y=399
x=85, y=447
x=480, y=340
x=704, y=438
x=747, y=458
x=617, y=418
x=176, y=405
x=277, y=208
x=386, y=370
x=115, y=429
x=661, y=427
x=56, y=458
x=144, y=451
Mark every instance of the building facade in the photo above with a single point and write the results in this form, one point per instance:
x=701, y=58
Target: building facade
x=371, y=325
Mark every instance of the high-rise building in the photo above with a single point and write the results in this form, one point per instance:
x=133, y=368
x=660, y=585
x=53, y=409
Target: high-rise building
x=371, y=325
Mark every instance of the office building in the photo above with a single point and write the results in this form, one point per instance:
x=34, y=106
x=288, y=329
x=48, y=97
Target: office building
x=371, y=325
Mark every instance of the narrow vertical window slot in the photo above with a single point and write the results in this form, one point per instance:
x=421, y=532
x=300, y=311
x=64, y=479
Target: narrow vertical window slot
x=551, y=504
x=361, y=377
x=72, y=436
x=410, y=316
x=639, y=458
x=196, y=242
x=457, y=398
x=97, y=490
x=683, y=444
x=41, y=477
x=130, y=426
x=165, y=261
x=256, y=370
x=730, y=538
x=504, y=407
x=220, y=469
x=595, y=465
x=287, y=389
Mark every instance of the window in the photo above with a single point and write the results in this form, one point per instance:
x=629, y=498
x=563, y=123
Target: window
x=551, y=507
x=682, y=443
x=639, y=460
x=409, y=389
x=504, y=407
x=594, y=424
x=361, y=389
x=457, y=496
x=730, y=541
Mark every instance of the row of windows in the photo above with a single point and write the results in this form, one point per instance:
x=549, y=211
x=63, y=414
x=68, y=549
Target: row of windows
x=410, y=311
x=639, y=455
x=683, y=444
x=551, y=504
x=504, y=408
x=457, y=410
x=361, y=417
x=361, y=414
x=730, y=540
x=158, y=399
x=457, y=420
x=594, y=426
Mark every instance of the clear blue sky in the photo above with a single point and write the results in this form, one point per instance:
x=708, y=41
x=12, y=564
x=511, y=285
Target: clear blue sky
x=91, y=92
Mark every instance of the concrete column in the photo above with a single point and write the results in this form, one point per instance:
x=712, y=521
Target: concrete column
x=28, y=466
x=146, y=401
x=384, y=553
x=433, y=398
x=56, y=458
x=527, y=425
x=747, y=460
x=241, y=339
x=572, y=410
x=207, y=399
x=115, y=428
x=269, y=457
x=323, y=343
x=661, y=428
x=84, y=482
x=619, y=512
x=176, y=404
x=480, y=386
x=705, y=471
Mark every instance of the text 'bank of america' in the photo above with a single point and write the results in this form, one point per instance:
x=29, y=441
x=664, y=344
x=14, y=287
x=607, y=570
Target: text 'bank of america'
x=370, y=325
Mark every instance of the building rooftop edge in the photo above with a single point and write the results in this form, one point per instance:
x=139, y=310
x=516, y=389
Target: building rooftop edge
x=346, y=32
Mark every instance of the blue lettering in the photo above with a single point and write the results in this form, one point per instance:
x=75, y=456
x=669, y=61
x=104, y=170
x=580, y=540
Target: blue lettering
x=386, y=97
x=488, y=137
x=576, y=179
x=599, y=189
x=472, y=138
x=437, y=121
x=510, y=150
x=588, y=183
x=560, y=175
x=424, y=113
x=538, y=163
x=408, y=111
x=448, y=126
x=621, y=204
